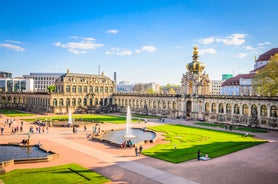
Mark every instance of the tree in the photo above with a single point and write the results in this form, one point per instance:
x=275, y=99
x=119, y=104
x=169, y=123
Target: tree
x=265, y=81
x=172, y=91
x=51, y=88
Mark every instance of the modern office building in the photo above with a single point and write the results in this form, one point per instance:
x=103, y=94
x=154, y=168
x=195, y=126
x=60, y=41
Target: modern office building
x=4, y=75
x=12, y=85
x=43, y=80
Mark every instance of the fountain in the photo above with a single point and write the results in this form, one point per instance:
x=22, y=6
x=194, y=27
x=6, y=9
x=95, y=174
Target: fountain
x=70, y=119
x=128, y=131
x=117, y=137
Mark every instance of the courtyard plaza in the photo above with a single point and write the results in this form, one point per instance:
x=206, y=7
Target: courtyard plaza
x=256, y=165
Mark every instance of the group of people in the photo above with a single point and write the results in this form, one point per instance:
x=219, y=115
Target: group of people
x=199, y=157
x=138, y=151
x=127, y=143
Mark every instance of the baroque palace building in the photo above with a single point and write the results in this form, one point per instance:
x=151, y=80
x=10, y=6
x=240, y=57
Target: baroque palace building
x=86, y=93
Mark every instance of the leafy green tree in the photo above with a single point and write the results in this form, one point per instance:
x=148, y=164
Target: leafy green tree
x=265, y=81
x=51, y=88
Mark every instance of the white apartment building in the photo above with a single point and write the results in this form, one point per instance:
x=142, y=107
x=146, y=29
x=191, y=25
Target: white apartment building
x=216, y=87
x=43, y=80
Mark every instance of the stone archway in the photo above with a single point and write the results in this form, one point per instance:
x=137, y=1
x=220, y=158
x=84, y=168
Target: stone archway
x=188, y=109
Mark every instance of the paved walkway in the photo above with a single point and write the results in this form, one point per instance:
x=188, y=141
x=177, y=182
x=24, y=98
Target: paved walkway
x=255, y=165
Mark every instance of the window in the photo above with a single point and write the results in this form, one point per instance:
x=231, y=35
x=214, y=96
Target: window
x=263, y=110
x=61, y=102
x=85, y=89
x=79, y=89
x=74, y=89
x=68, y=89
x=228, y=109
x=273, y=111
x=54, y=102
x=245, y=109
x=74, y=102
x=236, y=109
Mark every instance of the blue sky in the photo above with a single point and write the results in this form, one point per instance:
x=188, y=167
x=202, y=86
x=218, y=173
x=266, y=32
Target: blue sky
x=141, y=40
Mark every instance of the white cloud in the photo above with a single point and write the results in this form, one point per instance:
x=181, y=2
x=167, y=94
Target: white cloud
x=13, y=41
x=264, y=43
x=207, y=51
x=249, y=48
x=112, y=31
x=241, y=55
x=138, y=51
x=148, y=48
x=80, y=47
x=233, y=39
x=124, y=53
x=12, y=47
x=119, y=52
x=209, y=40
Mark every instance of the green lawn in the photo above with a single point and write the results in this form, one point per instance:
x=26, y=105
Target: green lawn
x=14, y=113
x=188, y=140
x=87, y=118
x=65, y=174
x=246, y=129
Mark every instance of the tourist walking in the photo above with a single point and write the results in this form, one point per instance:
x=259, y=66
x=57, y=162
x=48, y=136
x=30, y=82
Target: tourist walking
x=136, y=151
x=140, y=150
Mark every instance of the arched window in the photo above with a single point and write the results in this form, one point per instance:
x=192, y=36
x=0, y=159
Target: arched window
x=273, y=111
x=85, y=89
x=79, y=102
x=85, y=102
x=207, y=107
x=68, y=102
x=111, y=90
x=174, y=106
x=263, y=110
x=254, y=110
x=14, y=101
x=245, y=109
x=91, y=102
x=74, y=102
x=221, y=108
x=213, y=107
x=106, y=89
x=154, y=104
x=74, y=89
x=164, y=104
x=96, y=89
x=54, y=102
x=228, y=109
x=101, y=89
x=91, y=89
x=169, y=105
x=68, y=89
x=236, y=109
x=96, y=101
x=79, y=89
x=61, y=102
x=158, y=104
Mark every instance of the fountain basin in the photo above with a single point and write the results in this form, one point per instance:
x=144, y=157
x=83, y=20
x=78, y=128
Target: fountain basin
x=117, y=137
x=14, y=154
